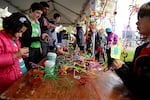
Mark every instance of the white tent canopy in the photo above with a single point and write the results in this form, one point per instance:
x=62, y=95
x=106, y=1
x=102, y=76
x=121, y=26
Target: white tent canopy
x=70, y=10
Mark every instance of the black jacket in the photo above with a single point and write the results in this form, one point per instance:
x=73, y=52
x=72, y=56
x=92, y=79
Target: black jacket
x=136, y=75
x=44, y=28
x=26, y=38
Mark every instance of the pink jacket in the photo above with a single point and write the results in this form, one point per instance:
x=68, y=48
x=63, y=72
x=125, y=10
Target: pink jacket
x=10, y=69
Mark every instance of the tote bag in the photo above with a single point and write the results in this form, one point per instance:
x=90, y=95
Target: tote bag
x=116, y=50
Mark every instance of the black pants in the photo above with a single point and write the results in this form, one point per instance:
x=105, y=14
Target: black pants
x=35, y=55
x=109, y=59
x=51, y=49
x=81, y=48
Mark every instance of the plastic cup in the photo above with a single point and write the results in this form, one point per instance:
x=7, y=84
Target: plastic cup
x=52, y=56
x=48, y=65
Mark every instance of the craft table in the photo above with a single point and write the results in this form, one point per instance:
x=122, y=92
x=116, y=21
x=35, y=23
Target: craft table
x=105, y=86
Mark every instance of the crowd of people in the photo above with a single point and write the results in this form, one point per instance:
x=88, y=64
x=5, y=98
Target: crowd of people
x=28, y=38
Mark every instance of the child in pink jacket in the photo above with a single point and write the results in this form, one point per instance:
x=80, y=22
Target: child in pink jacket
x=12, y=66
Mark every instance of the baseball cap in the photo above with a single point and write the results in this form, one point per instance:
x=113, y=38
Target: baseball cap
x=108, y=30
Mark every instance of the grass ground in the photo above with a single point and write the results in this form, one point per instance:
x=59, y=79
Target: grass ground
x=129, y=58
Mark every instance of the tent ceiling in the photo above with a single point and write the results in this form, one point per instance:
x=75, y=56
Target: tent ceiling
x=70, y=10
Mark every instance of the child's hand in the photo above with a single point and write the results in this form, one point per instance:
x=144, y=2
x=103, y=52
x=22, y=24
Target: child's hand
x=24, y=52
x=45, y=37
x=117, y=64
